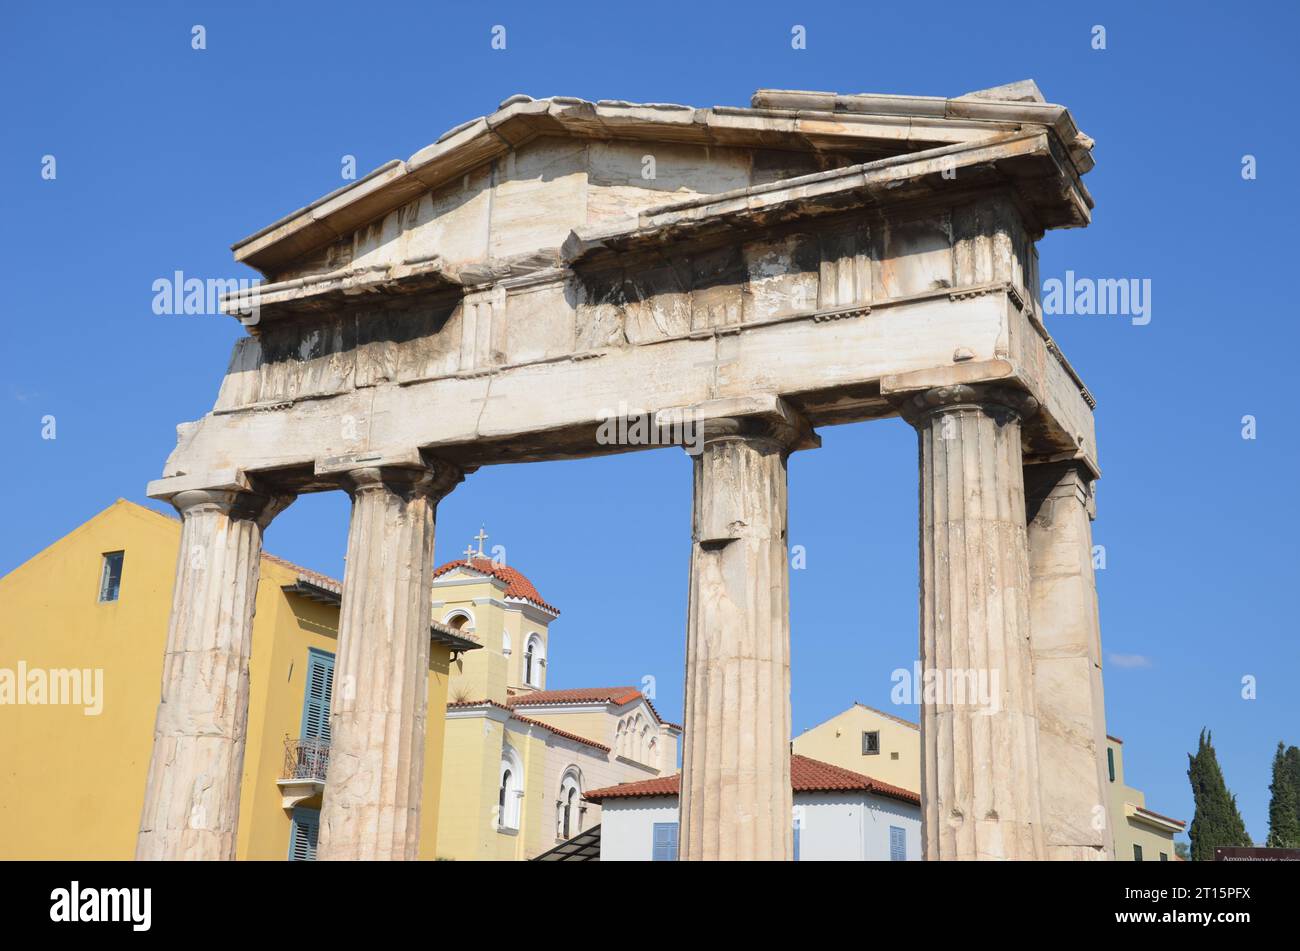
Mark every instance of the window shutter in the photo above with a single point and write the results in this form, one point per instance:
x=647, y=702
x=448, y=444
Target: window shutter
x=665, y=842
x=320, y=690
x=302, y=839
x=897, y=844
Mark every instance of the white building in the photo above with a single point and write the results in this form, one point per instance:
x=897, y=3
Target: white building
x=839, y=815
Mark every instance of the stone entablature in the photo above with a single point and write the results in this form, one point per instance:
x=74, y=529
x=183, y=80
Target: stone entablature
x=781, y=246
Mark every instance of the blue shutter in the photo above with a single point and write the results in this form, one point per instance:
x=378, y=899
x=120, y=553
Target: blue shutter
x=665, y=842
x=796, y=843
x=897, y=844
x=302, y=839
x=316, y=701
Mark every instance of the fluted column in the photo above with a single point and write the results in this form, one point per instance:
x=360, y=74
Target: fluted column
x=736, y=799
x=371, y=806
x=979, y=775
x=191, y=801
x=1066, y=647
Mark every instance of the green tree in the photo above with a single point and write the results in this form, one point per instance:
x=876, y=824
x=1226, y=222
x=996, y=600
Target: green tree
x=1217, y=821
x=1284, y=806
x=1293, y=772
x=1183, y=850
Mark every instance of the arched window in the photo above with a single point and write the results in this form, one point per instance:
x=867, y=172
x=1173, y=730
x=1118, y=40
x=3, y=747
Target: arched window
x=510, y=794
x=637, y=731
x=568, y=808
x=459, y=621
x=534, y=657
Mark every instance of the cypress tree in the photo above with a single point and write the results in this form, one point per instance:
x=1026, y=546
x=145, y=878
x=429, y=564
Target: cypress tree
x=1216, y=822
x=1292, y=770
x=1284, y=806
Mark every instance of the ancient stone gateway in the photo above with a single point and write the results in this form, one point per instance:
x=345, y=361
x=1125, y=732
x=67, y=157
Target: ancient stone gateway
x=759, y=272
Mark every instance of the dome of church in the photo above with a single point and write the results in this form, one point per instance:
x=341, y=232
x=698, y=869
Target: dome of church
x=517, y=585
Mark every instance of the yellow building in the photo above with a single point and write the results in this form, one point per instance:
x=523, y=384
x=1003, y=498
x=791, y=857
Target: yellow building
x=869, y=741
x=1140, y=834
x=519, y=757
x=83, y=626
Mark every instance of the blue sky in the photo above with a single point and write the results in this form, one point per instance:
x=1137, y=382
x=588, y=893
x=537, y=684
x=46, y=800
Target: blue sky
x=165, y=155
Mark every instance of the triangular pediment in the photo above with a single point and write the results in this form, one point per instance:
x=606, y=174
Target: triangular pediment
x=504, y=192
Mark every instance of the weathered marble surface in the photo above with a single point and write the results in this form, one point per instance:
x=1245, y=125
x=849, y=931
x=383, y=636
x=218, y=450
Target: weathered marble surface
x=815, y=257
x=980, y=764
x=1066, y=647
x=736, y=796
x=191, y=800
x=371, y=806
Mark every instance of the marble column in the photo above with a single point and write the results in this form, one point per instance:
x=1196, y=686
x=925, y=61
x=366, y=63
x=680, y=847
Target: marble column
x=371, y=807
x=736, y=799
x=1066, y=647
x=979, y=774
x=191, y=800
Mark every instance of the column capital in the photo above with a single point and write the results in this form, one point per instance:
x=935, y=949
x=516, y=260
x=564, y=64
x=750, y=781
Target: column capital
x=434, y=480
x=765, y=417
x=247, y=505
x=1004, y=401
x=409, y=473
x=1060, y=479
x=756, y=428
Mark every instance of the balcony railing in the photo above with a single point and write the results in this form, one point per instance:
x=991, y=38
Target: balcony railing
x=306, y=758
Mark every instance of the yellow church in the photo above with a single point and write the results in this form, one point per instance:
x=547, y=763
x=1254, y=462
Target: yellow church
x=82, y=629
x=520, y=757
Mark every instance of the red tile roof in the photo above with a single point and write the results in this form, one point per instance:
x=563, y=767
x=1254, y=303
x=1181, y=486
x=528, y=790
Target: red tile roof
x=530, y=721
x=315, y=577
x=558, y=732
x=517, y=586
x=806, y=775
x=615, y=695
x=660, y=786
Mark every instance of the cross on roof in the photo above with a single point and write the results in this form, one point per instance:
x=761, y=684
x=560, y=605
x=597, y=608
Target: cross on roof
x=481, y=537
x=469, y=553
